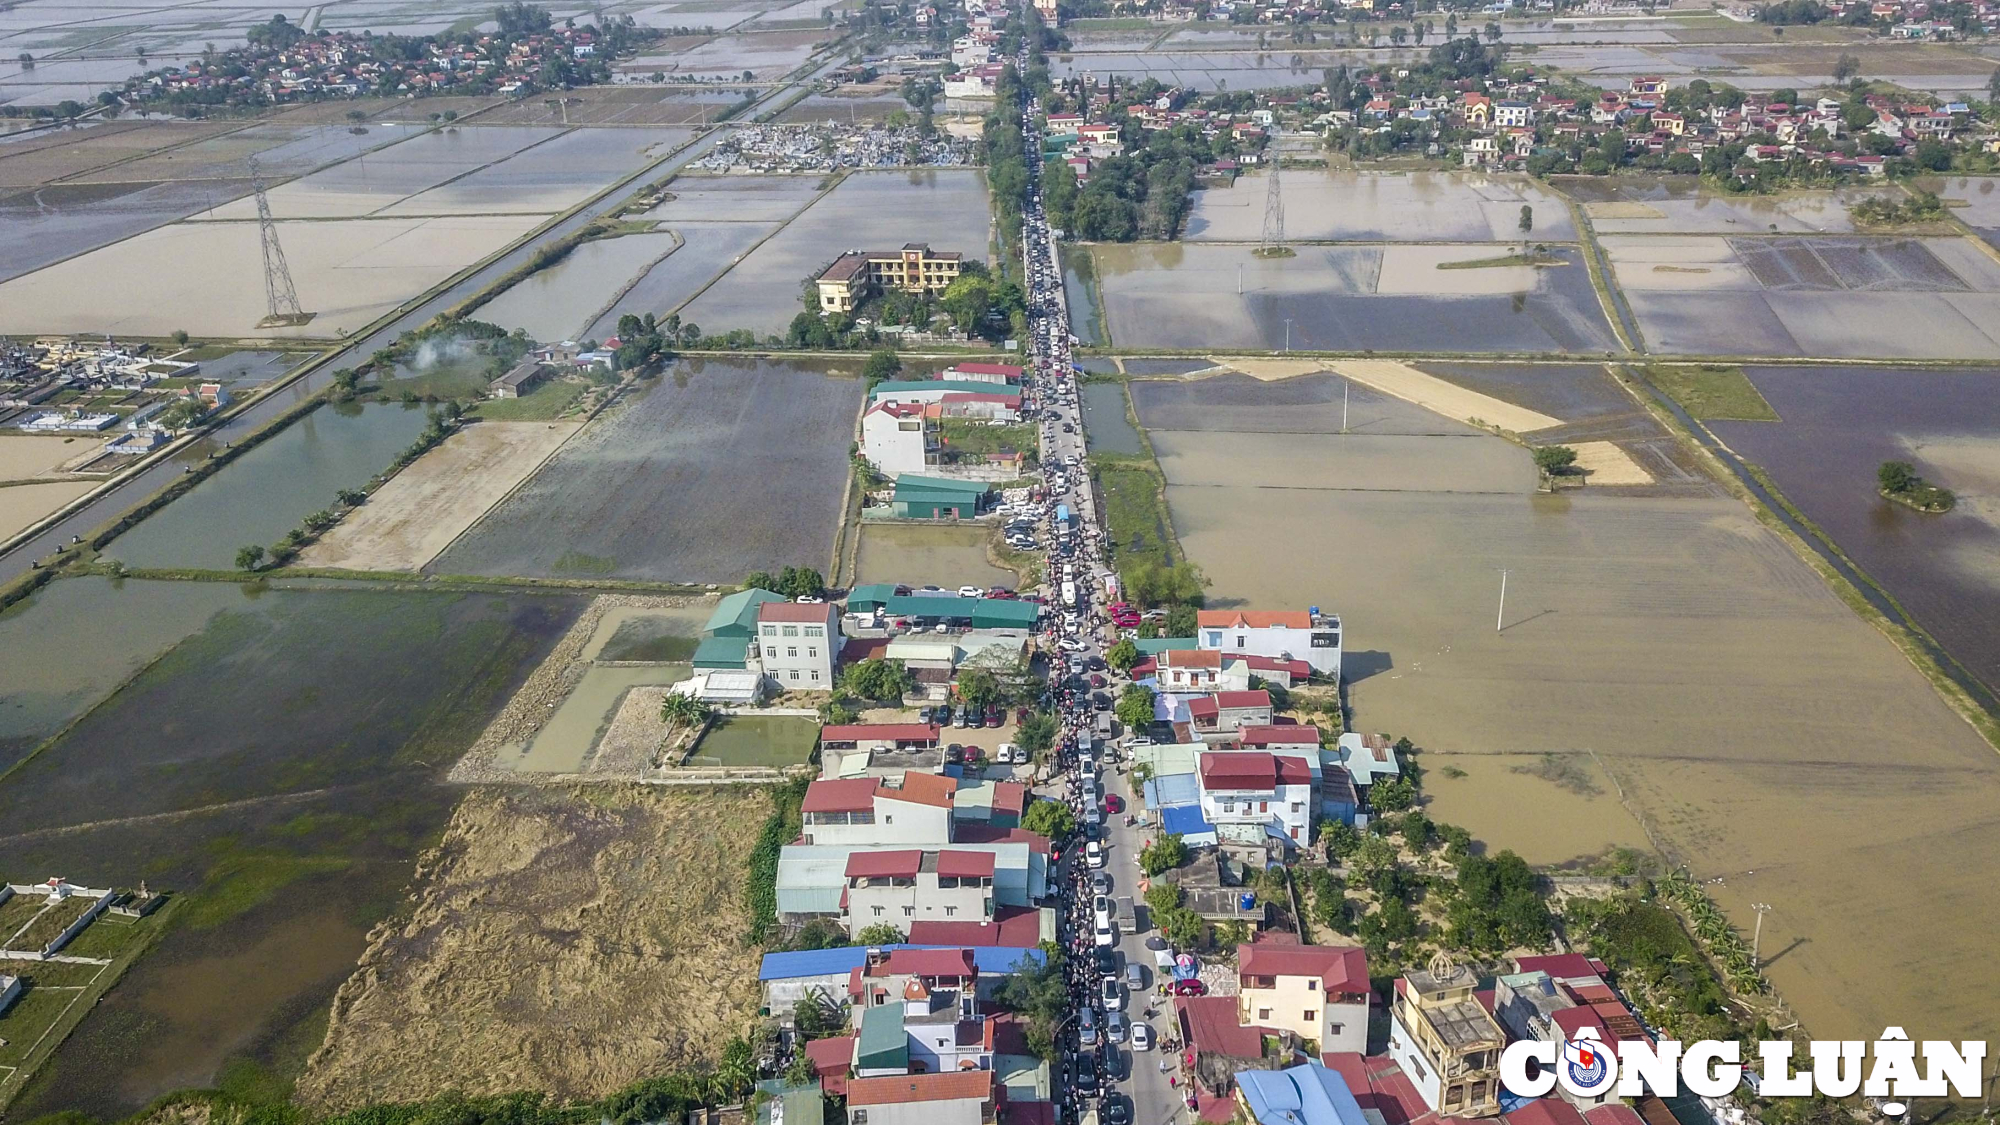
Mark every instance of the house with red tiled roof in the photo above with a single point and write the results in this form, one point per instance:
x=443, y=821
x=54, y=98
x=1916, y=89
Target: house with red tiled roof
x=1188, y=669
x=960, y=1097
x=1223, y=714
x=1318, y=992
x=1306, y=635
x=902, y=887
x=868, y=810
x=1252, y=795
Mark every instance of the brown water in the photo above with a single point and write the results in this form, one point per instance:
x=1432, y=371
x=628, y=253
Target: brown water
x=1757, y=726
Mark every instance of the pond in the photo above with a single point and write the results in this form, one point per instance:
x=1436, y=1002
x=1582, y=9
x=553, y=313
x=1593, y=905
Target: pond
x=757, y=740
x=267, y=491
x=1080, y=291
x=580, y=720
x=1105, y=421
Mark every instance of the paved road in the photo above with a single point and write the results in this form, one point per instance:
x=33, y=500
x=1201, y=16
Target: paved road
x=1134, y=1080
x=134, y=491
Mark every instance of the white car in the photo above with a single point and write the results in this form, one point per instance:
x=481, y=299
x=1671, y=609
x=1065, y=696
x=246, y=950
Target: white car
x=970, y=591
x=1112, y=995
x=1142, y=1036
x=1105, y=935
x=1101, y=908
x=1093, y=854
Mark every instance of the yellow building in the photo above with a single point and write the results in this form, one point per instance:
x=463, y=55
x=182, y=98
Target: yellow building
x=856, y=276
x=1446, y=1041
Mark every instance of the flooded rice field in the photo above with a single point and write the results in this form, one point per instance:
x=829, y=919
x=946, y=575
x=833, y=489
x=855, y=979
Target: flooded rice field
x=1917, y=298
x=348, y=272
x=70, y=643
x=1107, y=422
x=1681, y=205
x=644, y=633
x=549, y=177
x=277, y=768
x=1975, y=200
x=1838, y=425
x=267, y=491
x=1743, y=715
x=1345, y=298
x=657, y=486
x=563, y=301
x=372, y=182
x=24, y=505
x=47, y=224
x=1305, y=404
x=706, y=251
x=918, y=554
x=1343, y=205
x=869, y=210
x=564, y=743
x=738, y=198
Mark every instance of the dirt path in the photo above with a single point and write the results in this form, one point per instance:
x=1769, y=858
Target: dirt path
x=1434, y=394
x=413, y=518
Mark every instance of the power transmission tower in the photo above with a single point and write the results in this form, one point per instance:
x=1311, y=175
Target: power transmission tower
x=281, y=297
x=1274, y=214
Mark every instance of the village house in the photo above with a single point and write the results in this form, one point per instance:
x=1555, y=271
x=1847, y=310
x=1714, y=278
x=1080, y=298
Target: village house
x=1307, y=635
x=1253, y=795
x=1446, y=1041
x=899, y=887
x=1319, y=993
x=860, y=274
x=799, y=643
x=899, y=437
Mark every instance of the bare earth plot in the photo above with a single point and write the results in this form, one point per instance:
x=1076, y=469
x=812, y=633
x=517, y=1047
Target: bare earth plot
x=1681, y=205
x=1896, y=298
x=21, y=505
x=423, y=508
x=1757, y=725
x=566, y=941
x=714, y=470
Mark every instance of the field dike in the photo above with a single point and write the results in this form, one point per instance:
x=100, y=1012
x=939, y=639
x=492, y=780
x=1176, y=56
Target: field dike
x=567, y=940
x=544, y=690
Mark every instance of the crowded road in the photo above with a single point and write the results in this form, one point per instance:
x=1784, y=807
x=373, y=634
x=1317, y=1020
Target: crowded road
x=1111, y=1059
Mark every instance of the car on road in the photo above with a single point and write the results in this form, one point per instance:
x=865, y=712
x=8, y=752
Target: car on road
x=1113, y=803
x=1104, y=934
x=1112, y=995
x=1142, y=1037
x=1106, y=963
x=1086, y=1027
x=1101, y=701
x=1100, y=882
x=1116, y=1111
x=1083, y=1074
x=1093, y=853
x=1100, y=910
x=1135, y=977
x=1117, y=1028
x=1097, y=680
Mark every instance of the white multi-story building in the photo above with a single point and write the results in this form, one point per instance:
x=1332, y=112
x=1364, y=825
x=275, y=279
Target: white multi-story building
x=897, y=438
x=901, y=887
x=1250, y=794
x=1306, y=635
x=799, y=643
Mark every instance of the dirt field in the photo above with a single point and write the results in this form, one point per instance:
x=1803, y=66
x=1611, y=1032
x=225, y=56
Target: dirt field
x=22, y=458
x=1433, y=393
x=22, y=504
x=570, y=941
x=424, y=507
x=1605, y=463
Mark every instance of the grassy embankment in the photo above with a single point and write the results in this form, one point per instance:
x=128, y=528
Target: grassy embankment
x=1713, y=392
x=1133, y=491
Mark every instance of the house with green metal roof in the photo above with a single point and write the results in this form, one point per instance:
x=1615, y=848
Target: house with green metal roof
x=931, y=498
x=1004, y=613
x=1154, y=646
x=722, y=652
x=884, y=1046
x=931, y=390
x=736, y=614
x=871, y=597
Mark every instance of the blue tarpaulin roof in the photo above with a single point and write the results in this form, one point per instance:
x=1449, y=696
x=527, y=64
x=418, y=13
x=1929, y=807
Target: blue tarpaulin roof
x=1185, y=820
x=825, y=962
x=1173, y=789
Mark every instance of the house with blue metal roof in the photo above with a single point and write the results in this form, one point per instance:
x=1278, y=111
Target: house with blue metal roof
x=1308, y=1094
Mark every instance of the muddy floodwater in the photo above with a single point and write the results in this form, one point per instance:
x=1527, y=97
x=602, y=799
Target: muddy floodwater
x=561, y=302
x=1838, y=425
x=1106, y=422
x=1727, y=705
x=267, y=491
x=915, y=554
x=1341, y=204
x=580, y=720
x=277, y=769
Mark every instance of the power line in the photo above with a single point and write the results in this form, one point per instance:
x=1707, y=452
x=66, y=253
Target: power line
x=281, y=297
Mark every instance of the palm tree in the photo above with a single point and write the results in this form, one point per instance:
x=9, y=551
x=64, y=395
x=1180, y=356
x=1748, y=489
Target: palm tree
x=684, y=710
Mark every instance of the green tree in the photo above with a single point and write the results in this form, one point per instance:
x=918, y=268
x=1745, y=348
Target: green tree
x=1036, y=734
x=978, y=687
x=1163, y=854
x=1527, y=222
x=1122, y=655
x=1846, y=67
x=801, y=582
x=1392, y=795
x=1896, y=476
x=1181, y=621
x=761, y=580
x=820, y=933
x=1342, y=839
x=180, y=336
x=881, y=933
x=1374, y=858
x=1135, y=707
x=1053, y=819
x=684, y=710
x=1993, y=87
x=352, y=497
x=1554, y=460
x=882, y=364
x=878, y=679
x=249, y=558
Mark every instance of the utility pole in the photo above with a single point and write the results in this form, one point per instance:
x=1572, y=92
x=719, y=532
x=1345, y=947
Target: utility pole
x=1344, y=384
x=1239, y=279
x=1757, y=933
x=1288, y=335
x=1501, y=616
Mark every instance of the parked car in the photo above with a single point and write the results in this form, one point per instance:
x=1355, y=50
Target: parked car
x=1112, y=995
x=1106, y=963
x=926, y=714
x=995, y=717
x=970, y=592
x=964, y=717
x=1086, y=1028
x=1103, y=934
x=1142, y=1037
x=1093, y=854
x=1083, y=1075
x=1100, y=882
x=1190, y=987
x=1113, y=803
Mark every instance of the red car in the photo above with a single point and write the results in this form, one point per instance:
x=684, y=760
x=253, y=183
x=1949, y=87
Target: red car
x=1190, y=987
x=1114, y=803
